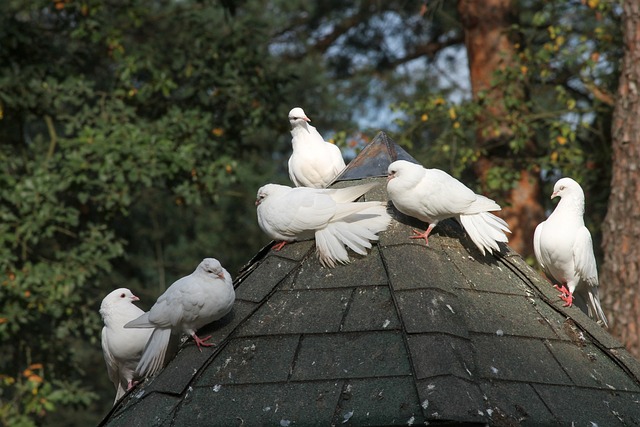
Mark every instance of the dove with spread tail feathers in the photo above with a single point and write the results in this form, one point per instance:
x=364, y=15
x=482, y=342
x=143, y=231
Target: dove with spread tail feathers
x=330, y=215
x=121, y=348
x=563, y=248
x=314, y=162
x=189, y=303
x=432, y=195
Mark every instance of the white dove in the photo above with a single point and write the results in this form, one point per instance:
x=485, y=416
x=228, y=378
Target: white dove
x=188, y=304
x=314, y=162
x=330, y=215
x=564, y=250
x=432, y=195
x=121, y=347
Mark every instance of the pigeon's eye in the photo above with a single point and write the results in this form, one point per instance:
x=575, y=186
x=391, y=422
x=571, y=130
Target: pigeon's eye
x=561, y=187
x=122, y=295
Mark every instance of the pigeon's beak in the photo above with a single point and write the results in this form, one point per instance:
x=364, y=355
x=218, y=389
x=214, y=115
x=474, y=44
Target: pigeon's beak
x=555, y=194
x=390, y=176
x=258, y=202
x=134, y=298
x=221, y=275
x=305, y=118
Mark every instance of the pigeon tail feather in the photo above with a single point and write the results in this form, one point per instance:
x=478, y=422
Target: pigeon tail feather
x=482, y=204
x=349, y=194
x=485, y=230
x=354, y=231
x=120, y=391
x=595, y=309
x=352, y=212
x=140, y=322
x=154, y=353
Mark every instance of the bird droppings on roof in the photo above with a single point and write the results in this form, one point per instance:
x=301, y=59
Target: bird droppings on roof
x=407, y=335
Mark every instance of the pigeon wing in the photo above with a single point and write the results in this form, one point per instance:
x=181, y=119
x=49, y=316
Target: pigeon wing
x=583, y=257
x=301, y=209
x=447, y=195
x=536, y=244
x=112, y=365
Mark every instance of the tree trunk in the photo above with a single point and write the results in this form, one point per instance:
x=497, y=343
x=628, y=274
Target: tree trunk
x=621, y=228
x=489, y=49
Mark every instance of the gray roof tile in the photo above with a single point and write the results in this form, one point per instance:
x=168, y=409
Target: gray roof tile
x=275, y=404
x=436, y=355
x=430, y=310
x=486, y=273
x=588, y=366
x=362, y=270
x=588, y=407
x=515, y=403
x=379, y=401
x=451, y=398
x=431, y=271
x=371, y=309
x=296, y=252
x=265, y=278
x=238, y=361
x=146, y=410
x=351, y=355
x=299, y=311
x=503, y=315
x=531, y=363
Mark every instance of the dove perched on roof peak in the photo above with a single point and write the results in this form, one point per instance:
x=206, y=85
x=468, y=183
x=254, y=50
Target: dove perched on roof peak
x=564, y=249
x=432, y=195
x=314, y=162
x=121, y=347
x=330, y=215
x=189, y=303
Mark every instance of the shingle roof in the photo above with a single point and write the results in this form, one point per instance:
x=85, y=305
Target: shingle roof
x=406, y=335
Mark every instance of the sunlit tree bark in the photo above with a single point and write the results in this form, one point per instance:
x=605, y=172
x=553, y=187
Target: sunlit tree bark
x=621, y=229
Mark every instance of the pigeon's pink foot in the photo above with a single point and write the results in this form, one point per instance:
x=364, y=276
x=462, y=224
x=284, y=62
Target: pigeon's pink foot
x=279, y=246
x=419, y=235
x=131, y=384
x=425, y=235
x=202, y=342
x=565, y=295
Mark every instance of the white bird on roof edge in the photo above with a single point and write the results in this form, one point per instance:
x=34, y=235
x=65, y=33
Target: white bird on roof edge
x=564, y=249
x=329, y=215
x=432, y=195
x=121, y=348
x=314, y=162
x=188, y=304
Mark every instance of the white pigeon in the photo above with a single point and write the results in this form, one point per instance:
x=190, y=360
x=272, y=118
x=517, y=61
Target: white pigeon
x=564, y=250
x=121, y=347
x=432, y=195
x=330, y=215
x=314, y=162
x=189, y=303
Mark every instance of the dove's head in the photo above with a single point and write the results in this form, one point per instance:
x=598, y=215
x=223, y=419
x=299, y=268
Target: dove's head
x=118, y=296
x=567, y=187
x=404, y=170
x=297, y=117
x=268, y=190
x=212, y=267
